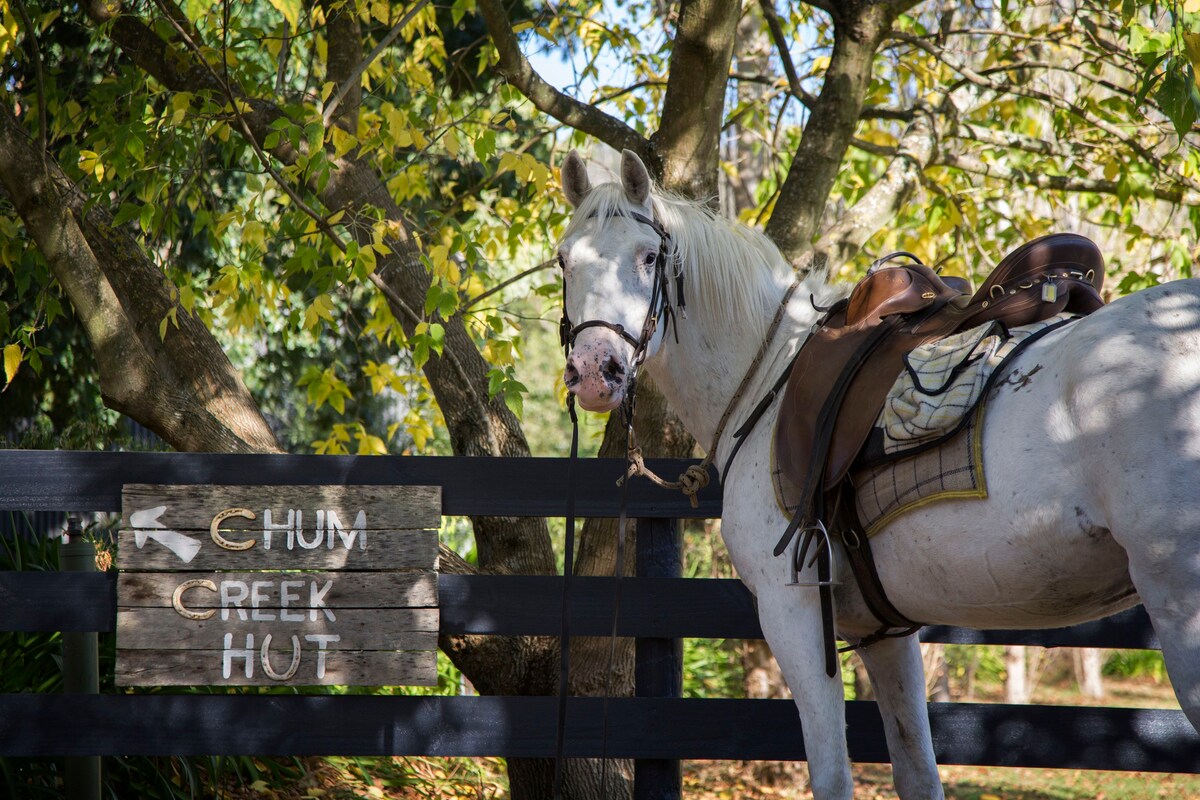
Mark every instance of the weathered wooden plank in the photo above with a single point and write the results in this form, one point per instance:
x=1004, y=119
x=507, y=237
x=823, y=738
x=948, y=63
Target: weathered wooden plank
x=241, y=594
x=243, y=666
x=372, y=550
x=192, y=507
x=359, y=629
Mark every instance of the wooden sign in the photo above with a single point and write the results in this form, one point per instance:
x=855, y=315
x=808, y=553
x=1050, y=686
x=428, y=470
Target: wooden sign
x=271, y=585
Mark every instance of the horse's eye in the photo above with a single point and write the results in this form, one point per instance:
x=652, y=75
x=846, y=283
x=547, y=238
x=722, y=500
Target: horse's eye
x=651, y=259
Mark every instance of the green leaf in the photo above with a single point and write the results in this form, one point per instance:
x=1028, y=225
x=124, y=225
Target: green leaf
x=126, y=212
x=1177, y=96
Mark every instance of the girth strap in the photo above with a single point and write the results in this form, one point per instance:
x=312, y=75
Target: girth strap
x=862, y=564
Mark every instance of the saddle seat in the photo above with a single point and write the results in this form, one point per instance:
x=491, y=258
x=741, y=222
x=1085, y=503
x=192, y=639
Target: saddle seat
x=842, y=374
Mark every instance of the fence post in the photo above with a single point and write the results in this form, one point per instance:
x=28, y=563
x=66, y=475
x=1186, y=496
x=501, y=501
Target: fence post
x=659, y=662
x=81, y=669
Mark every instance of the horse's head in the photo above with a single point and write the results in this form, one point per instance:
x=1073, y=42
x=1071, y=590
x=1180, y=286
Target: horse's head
x=615, y=281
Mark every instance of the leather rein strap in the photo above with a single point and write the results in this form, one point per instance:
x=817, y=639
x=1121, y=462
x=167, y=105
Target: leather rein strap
x=660, y=308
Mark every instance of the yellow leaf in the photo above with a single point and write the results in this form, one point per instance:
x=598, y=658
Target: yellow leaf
x=1191, y=42
x=253, y=233
x=290, y=10
x=342, y=143
x=12, y=361
x=369, y=445
x=452, y=143
x=89, y=162
x=507, y=161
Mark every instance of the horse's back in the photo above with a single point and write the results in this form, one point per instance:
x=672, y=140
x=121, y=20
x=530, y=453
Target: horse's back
x=1091, y=444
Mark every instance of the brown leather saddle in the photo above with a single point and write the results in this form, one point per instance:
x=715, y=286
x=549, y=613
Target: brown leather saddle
x=840, y=379
x=842, y=374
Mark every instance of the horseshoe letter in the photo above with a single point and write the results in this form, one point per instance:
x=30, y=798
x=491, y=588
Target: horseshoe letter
x=221, y=540
x=266, y=659
x=177, y=599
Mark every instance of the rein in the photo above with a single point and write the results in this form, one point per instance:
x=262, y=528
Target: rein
x=660, y=308
x=695, y=478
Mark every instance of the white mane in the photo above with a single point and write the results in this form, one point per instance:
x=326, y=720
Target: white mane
x=729, y=268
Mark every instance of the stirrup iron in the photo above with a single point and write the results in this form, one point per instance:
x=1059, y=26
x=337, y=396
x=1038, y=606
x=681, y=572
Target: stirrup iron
x=800, y=545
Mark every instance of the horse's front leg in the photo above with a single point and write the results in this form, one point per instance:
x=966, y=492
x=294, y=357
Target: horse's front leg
x=790, y=617
x=898, y=678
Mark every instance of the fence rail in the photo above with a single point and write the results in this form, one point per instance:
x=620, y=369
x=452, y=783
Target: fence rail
x=659, y=611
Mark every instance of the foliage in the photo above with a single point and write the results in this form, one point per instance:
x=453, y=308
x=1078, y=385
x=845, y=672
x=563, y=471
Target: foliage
x=355, y=199
x=293, y=305
x=1136, y=664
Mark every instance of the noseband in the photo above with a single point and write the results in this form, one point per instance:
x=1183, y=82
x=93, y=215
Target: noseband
x=660, y=302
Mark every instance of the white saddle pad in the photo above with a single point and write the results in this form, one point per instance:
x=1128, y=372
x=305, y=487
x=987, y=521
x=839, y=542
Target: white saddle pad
x=944, y=380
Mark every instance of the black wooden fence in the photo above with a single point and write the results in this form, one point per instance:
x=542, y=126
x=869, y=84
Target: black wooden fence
x=656, y=727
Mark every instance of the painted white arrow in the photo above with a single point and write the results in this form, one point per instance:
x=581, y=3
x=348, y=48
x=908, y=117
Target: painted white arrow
x=181, y=545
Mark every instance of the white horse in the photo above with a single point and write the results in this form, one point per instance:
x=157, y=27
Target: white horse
x=1092, y=462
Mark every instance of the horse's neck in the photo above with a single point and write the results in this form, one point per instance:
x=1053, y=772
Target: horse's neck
x=700, y=374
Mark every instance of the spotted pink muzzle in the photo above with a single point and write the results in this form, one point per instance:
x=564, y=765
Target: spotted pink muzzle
x=597, y=372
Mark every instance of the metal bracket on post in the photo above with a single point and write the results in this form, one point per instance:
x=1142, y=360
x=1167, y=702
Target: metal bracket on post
x=81, y=666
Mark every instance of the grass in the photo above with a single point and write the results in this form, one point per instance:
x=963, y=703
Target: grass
x=730, y=780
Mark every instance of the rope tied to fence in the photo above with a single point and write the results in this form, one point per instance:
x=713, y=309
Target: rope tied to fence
x=690, y=482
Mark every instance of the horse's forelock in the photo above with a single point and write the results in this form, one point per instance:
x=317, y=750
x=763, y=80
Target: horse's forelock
x=602, y=204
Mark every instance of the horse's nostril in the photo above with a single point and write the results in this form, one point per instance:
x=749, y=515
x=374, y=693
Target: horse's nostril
x=613, y=369
x=571, y=374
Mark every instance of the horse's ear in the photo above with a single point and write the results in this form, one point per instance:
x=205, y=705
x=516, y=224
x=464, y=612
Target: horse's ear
x=635, y=178
x=575, y=183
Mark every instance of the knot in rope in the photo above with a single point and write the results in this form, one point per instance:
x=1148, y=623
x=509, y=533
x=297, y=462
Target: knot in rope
x=693, y=479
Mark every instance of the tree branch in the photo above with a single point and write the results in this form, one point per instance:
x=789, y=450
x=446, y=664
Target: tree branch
x=690, y=123
x=842, y=240
x=1062, y=183
x=517, y=70
x=785, y=55
x=974, y=78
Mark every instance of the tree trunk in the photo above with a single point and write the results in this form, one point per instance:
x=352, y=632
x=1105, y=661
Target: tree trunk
x=859, y=28
x=1089, y=666
x=177, y=381
x=937, y=672
x=1016, y=681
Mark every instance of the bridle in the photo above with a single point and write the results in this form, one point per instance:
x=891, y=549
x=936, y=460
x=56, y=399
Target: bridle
x=660, y=305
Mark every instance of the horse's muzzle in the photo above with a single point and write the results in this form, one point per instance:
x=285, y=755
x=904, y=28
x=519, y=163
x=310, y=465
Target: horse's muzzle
x=596, y=373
